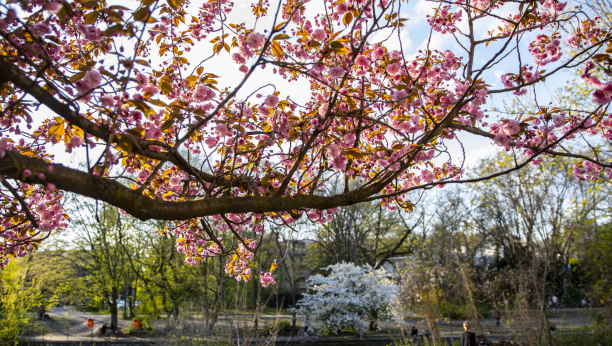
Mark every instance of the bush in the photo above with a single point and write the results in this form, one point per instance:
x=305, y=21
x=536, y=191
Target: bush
x=281, y=326
x=598, y=335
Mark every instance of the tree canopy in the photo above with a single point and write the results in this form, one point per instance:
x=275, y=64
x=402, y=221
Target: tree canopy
x=163, y=139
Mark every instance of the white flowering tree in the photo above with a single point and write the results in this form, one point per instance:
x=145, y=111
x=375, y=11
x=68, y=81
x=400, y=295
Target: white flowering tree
x=347, y=297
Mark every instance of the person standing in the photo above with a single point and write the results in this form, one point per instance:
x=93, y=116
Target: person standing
x=497, y=319
x=414, y=333
x=555, y=302
x=468, y=338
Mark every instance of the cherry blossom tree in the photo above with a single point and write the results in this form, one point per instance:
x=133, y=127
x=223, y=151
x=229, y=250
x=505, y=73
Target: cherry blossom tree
x=162, y=136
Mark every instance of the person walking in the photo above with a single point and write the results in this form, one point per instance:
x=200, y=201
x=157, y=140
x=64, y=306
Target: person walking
x=468, y=338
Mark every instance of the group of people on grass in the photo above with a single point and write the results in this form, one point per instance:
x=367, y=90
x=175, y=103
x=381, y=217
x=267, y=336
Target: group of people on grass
x=106, y=329
x=41, y=312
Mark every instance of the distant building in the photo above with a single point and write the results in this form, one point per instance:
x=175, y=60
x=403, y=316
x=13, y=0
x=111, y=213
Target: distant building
x=487, y=257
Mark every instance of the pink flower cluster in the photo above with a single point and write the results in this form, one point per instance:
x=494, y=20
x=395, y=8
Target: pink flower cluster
x=545, y=49
x=587, y=170
x=505, y=130
x=85, y=85
x=16, y=237
x=443, y=21
x=603, y=93
x=511, y=80
x=267, y=279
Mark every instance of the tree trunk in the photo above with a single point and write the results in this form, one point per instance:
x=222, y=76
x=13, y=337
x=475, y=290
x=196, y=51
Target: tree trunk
x=130, y=301
x=374, y=320
x=175, y=308
x=113, y=306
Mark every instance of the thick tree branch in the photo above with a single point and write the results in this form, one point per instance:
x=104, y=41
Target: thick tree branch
x=145, y=208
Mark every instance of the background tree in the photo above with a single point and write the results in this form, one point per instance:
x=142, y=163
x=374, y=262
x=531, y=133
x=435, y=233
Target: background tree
x=99, y=251
x=346, y=297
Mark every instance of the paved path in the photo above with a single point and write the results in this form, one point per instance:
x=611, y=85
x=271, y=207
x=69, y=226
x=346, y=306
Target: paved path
x=69, y=324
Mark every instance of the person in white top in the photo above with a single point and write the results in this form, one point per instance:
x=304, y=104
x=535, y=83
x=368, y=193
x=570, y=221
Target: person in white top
x=555, y=301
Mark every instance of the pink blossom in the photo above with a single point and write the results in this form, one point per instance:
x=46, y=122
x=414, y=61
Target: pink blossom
x=339, y=163
x=318, y=35
x=75, y=142
x=263, y=110
x=211, y=141
x=607, y=89
x=90, y=32
x=336, y=72
x=247, y=112
x=341, y=8
x=502, y=139
x=600, y=97
x=399, y=95
x=559, y=120
x=349, y=138
x=27, y=172
x=511, y=127
x=267, y=279
x=362, y=61
x=255, y=40
x=243, y=69
x=107, y=101
x=53, y=7
x=239, y=59
x=296, y=18
x=428, y=176
x=393, y=69
x=8, y=20
x=333, y=150
x=594, y=82
x=221, y=130
x=573, y=40
x=46, y=227
x=150, y=88
x=323, y=109
x=271, y=101
x=202, y=93
x=90, y=80
x=378, y=53
x=175, y=180
x=50, y=168
x=3, y=146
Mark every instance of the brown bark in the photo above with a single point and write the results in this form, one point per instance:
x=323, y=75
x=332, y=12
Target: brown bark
x=114, y=193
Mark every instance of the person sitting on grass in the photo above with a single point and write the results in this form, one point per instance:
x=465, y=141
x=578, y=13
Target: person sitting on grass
x=553, y=329
x=468, y=338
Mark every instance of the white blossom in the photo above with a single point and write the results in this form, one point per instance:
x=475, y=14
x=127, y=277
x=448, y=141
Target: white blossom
x=346, y=297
